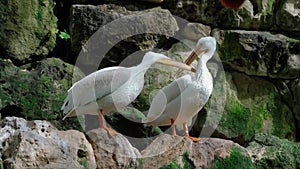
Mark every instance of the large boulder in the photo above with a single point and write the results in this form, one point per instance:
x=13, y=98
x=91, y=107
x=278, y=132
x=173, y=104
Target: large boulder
x=28, y=29
x=252, y=105
x=37, y=90
x=38, y=144
x=177, y=152
x=259, y=53
x=268, y=151
x=113, y=152
x=113, y=32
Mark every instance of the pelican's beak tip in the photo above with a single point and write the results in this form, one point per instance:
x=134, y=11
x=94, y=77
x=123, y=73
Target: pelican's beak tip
x=193, y=69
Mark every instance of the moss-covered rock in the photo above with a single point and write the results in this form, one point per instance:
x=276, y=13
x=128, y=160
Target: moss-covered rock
x=173, y=152
x=268, y=151
x=113, y=32
x=36, y=90
x=238, y=158
x=28, y=29
x=259, y=53
x=252, y=105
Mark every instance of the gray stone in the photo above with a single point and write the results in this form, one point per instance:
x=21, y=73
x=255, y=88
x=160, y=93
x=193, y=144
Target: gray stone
x=113, y=32
x=194, y=31
x=268, y=151
x=259, y=53
x=113, y=152
x=167, y=151
x=37, y=144
x=28, y=29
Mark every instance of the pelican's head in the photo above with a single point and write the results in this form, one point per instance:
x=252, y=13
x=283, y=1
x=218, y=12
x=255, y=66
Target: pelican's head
x=152, y=57
x=205, y=48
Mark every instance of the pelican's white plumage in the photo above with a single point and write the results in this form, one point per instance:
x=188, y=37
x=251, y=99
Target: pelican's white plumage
x=111, y=88
x=182, y=99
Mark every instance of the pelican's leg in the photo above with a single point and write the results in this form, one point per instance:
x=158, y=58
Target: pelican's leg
x=185, y=127
x=110, y=131
x=173, y=127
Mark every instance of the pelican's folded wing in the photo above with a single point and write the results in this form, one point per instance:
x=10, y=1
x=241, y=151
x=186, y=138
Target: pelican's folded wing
x=165, y=96
x=98, y=84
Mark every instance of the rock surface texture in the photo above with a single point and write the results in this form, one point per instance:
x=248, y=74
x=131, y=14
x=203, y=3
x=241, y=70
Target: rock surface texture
x=37, y=144
x=28, y=29
x=167, y=151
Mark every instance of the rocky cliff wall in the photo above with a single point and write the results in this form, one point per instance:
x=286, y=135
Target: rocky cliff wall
x=256, y=67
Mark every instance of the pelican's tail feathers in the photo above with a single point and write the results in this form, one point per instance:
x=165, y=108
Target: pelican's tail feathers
x=70, y=113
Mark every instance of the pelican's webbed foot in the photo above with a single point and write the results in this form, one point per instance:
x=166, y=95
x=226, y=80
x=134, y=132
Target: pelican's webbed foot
x=194, y=139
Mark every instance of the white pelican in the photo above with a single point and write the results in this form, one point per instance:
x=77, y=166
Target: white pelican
x=111, y=88
x=181, y=100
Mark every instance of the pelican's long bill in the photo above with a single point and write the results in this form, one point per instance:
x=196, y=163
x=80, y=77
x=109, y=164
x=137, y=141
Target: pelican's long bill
x=191, y=58
x=176, y=64
x=194, y=55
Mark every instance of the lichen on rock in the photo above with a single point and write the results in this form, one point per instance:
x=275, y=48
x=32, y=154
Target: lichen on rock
x=27, y=29
x=269, y=151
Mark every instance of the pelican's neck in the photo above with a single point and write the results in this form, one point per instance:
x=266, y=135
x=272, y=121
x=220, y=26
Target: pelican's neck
x=201, y=67
x=143, y=66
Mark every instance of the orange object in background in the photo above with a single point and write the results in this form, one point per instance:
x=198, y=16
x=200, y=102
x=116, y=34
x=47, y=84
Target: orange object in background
x=233, y=4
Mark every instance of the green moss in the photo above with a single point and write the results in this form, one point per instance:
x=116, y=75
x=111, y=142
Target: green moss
x=231, y=48
x=289, y=39
x=140, y=163
x=39, y=14
x=38, y=90
x=275, y=152
x=171, y=165
x=238, y=115
x=84, y=162
x=270, y=4
x=187, y=163
x=82, y=156
x=237, y=159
